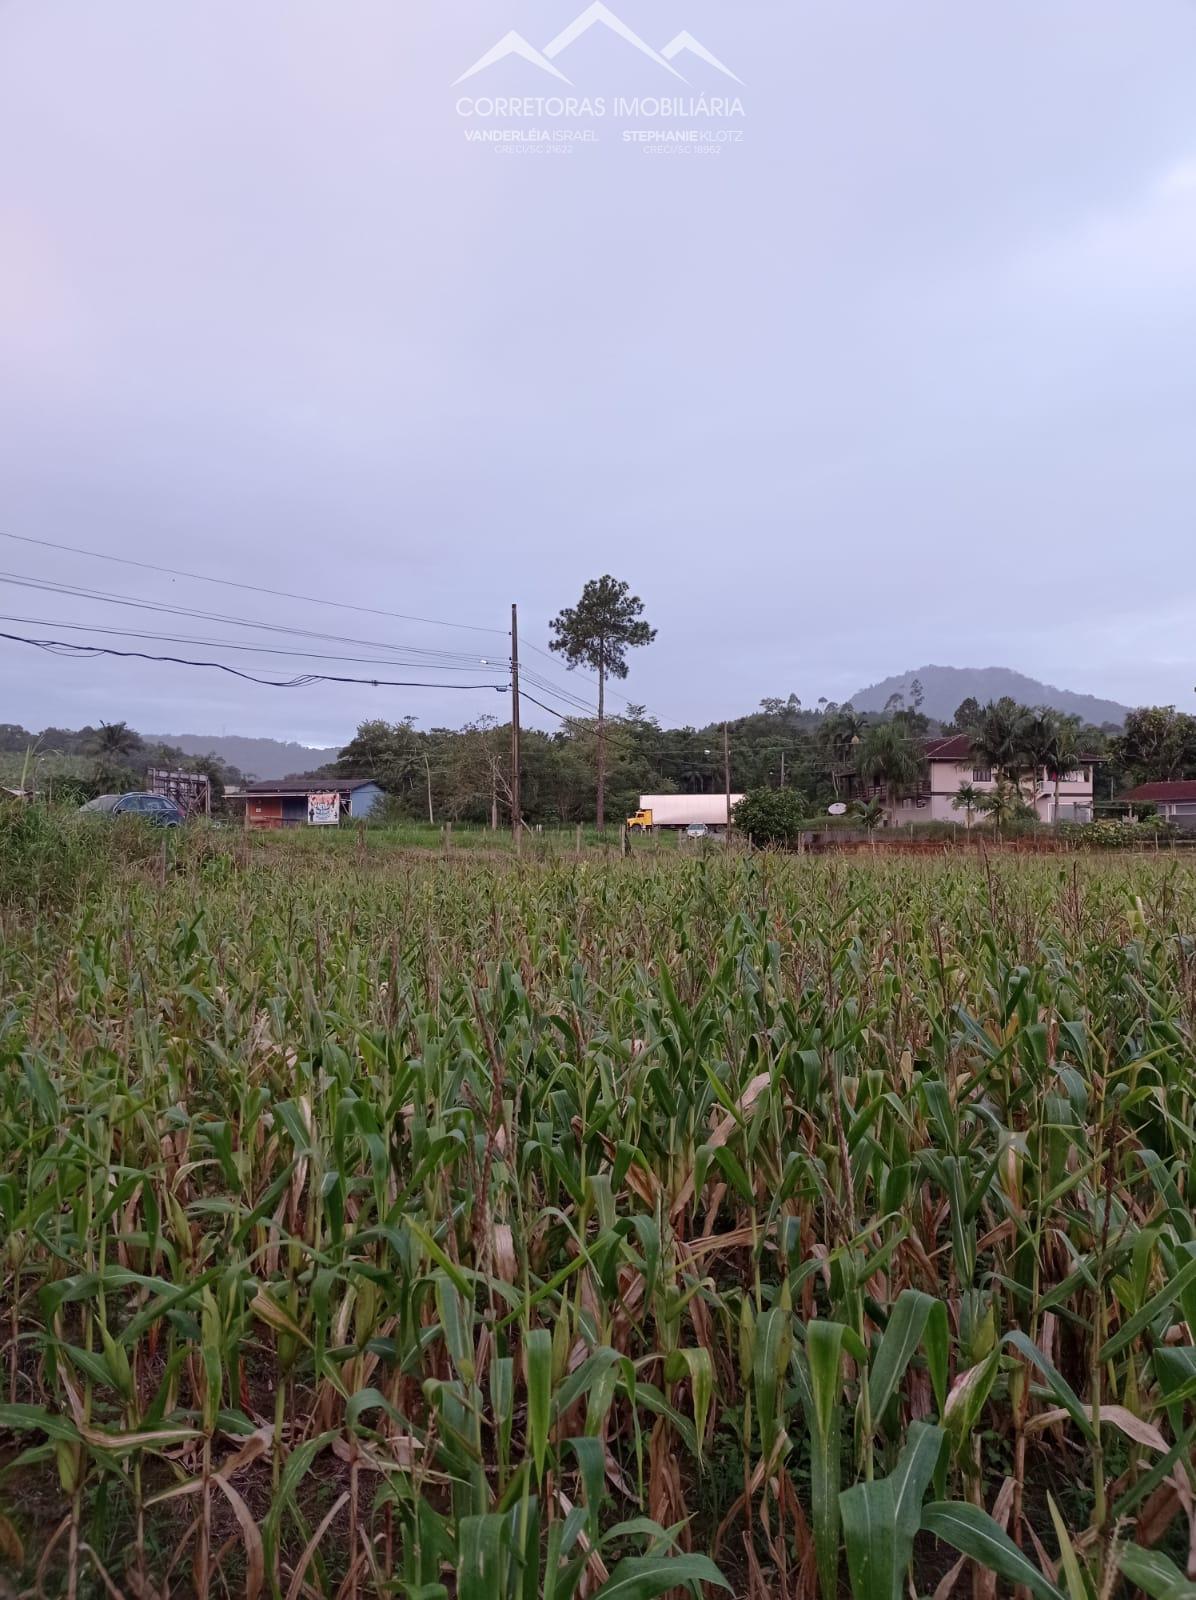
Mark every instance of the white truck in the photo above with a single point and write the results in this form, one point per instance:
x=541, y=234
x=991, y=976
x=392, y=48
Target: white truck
x=680, y=811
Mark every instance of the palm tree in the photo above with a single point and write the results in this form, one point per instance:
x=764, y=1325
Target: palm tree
x=870, y=814
x=1061, y=752
x=1004, y=804
x=115, y=739
x=1041, y=736
x=841, y=729
x=967, y=799
x=887, y=755
x=839, y=736
x=1000, y=738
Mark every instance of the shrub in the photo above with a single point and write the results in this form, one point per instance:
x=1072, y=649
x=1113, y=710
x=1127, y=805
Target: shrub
x=1114, y=834
x=771, y=816
x=45, y=857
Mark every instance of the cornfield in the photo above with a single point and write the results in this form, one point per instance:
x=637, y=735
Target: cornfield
x=614, y=1228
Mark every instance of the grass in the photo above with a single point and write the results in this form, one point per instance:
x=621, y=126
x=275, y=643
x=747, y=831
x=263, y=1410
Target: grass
x=551, y=839
x=461, y=1226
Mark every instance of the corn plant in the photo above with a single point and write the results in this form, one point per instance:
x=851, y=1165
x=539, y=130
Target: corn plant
x=469, y=1226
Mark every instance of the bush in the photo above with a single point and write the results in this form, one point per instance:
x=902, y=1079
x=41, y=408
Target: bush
x=45, y=856
x=771, y=816
x=1112, y=834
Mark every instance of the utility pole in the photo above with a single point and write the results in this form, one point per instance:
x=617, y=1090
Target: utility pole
x=516, y=810
x=727, y=773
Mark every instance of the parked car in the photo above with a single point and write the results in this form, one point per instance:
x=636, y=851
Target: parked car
x=697, y=830
x=155, y=808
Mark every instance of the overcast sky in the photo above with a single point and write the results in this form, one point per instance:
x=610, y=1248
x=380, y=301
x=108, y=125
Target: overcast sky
x=908, y=374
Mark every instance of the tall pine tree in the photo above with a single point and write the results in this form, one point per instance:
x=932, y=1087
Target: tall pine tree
x=597, y=633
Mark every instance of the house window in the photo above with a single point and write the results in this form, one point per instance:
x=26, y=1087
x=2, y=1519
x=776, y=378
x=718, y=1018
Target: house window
x=982, y=774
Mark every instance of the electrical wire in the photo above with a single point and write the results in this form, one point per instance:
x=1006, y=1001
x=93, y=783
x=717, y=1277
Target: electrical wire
x=252, y=588
x=223, y=644
x=441, y=657
x=284, y=594
x=553, y=711
x=71, y=648
x=111, y=597
x=593, y=676
x=538, y=682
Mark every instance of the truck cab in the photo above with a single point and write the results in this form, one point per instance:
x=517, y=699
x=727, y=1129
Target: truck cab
x=641, y=820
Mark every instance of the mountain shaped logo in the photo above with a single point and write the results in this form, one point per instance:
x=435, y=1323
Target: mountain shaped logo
x=513, y=45
x=685, y=41
x=598, y=14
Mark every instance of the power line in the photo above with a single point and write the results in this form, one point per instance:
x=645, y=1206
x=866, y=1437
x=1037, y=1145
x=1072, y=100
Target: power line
x=221, y=644
x=252, y=588
x=285, y=594
x=569, y=698
x=111, y=597
x=71, y=648
x=553, y=711
x=593, y=676
x=442, y=657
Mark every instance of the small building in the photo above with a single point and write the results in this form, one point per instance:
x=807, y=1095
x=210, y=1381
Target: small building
x=307, y=801
x=950, y=763
x=1174, y=802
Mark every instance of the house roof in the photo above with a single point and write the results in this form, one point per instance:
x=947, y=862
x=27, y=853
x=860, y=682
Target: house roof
x=318, y=783
x=951, y=747
x=958, y=747
x=1182, y=789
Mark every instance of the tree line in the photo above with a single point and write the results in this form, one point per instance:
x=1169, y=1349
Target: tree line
x=821, y=753
x=76, y=764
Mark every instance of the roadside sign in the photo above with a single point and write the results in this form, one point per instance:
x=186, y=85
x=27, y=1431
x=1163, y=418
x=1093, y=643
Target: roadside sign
x=323, y=810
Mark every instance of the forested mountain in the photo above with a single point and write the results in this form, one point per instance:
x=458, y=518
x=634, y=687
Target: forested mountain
x=259, y=758
x=944, y=688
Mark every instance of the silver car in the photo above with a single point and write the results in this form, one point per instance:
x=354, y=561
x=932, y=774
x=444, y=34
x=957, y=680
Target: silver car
x=155, y=808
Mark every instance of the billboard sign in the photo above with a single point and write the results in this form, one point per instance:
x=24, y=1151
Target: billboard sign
x=323, y=810
x=190, y=791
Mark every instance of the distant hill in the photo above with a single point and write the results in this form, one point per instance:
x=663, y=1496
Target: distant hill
x=947, y=687
x=258, y=758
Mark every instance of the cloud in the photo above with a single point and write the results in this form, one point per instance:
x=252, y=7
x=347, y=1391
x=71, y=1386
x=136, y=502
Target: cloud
x=1129, y=252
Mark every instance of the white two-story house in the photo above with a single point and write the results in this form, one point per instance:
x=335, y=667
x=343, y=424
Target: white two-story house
x=950, y=763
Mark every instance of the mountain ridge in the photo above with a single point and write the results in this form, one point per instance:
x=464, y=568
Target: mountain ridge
x=257, y=758
x=945, y=688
